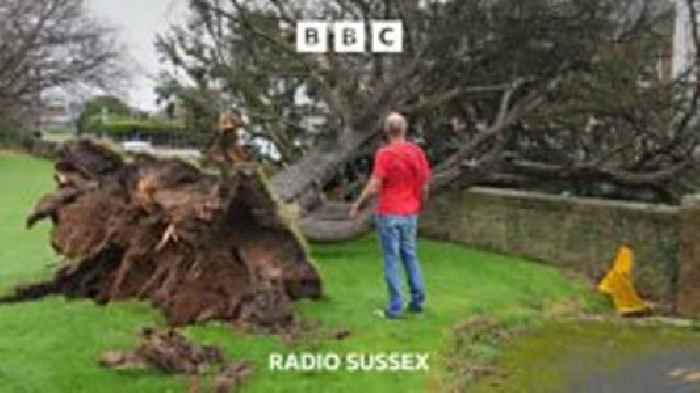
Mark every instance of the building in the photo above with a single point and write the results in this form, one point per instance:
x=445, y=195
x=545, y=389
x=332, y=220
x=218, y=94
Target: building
x=58, y=111
x=683, y=47
x=314, y=111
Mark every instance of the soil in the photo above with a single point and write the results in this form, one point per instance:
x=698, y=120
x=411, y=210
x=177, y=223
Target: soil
x=170, y=352
x=199, y=246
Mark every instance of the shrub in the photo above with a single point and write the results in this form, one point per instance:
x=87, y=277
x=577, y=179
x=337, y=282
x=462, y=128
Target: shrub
x=157, y=132
x=12, y=138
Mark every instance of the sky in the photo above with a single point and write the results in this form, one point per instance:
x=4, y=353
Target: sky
x=138, y=22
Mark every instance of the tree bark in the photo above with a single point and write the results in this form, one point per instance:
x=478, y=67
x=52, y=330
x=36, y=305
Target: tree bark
x=303, y=182
x=315, y=169
x=323, y=229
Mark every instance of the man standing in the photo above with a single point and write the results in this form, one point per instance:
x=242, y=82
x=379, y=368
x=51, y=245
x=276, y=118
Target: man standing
x=400, y=177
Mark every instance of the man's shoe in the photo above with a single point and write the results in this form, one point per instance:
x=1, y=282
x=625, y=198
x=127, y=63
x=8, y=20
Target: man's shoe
x=415, y=309
x=386, y=315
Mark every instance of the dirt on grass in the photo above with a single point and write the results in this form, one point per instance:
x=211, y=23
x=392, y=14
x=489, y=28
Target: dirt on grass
x=199, y=246
x=170, y=352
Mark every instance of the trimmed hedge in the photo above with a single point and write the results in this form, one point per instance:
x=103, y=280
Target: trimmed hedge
x=127, y=127
x=11, y=138
x=154, y=131
x=18, y=139
x=29, y=142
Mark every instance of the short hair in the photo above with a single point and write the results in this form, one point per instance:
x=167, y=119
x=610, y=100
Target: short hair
x=229, y=120
x=395, y=124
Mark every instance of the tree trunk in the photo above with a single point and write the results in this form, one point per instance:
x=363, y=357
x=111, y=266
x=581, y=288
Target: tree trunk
x=331, y=223
x=302, y=181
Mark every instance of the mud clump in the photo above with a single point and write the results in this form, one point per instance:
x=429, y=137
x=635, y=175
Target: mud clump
x=199, y=246
x=167, y=351
x=170, y=352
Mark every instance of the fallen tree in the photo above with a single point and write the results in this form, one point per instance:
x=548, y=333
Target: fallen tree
x=200, y=246
x=483, y=84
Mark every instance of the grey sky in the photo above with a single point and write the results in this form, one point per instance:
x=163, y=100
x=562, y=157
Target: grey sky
x=139, y=21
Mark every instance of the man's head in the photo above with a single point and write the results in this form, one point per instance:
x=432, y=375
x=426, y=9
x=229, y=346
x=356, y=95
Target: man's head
x=229, y=121
x=395, y=125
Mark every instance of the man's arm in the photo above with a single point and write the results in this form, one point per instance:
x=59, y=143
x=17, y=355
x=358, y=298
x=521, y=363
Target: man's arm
x=427, y=174
x=426, y=193
x=373, y=186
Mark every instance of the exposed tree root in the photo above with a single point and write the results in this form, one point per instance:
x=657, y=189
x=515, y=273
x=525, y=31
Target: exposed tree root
x=199, y=246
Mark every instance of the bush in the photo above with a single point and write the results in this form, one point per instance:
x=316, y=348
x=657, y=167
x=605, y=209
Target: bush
x=10, y=139
x=157, y=132
x=95, y=106
x=29, y=142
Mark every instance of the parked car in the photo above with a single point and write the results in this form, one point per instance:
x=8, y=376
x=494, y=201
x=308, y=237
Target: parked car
x=138, y=146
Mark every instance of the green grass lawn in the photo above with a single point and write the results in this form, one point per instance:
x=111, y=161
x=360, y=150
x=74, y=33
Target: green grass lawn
x=52, y=345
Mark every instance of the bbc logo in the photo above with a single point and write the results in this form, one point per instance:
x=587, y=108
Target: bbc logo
x=350, y=37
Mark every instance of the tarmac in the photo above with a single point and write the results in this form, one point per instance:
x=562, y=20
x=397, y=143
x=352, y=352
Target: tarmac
x=675, y=371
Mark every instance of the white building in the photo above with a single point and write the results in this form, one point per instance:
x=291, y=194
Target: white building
x=683, y=48
x=58, y=111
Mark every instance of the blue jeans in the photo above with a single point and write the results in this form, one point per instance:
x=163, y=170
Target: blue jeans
x=397, y=235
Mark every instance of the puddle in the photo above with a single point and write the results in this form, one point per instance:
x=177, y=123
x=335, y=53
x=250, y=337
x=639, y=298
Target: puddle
x=592, y=357
x=666, y=372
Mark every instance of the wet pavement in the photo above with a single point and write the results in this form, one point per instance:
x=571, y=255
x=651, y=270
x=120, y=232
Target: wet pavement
x=666, y=372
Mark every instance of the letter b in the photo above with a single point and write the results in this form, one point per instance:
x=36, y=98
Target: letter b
x=349, y=37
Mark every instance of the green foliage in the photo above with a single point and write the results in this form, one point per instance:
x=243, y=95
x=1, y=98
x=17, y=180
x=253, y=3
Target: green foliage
x=125, y=127
x=199, y=106
x=94, y=107
x=11, y=138
x=156, y=131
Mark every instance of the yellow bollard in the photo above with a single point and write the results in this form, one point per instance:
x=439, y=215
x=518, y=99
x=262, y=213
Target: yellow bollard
x=618, y=284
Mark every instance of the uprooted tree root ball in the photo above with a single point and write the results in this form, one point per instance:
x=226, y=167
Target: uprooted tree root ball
x=200, y=246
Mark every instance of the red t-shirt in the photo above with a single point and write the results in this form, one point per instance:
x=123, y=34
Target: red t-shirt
x=404, y=170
